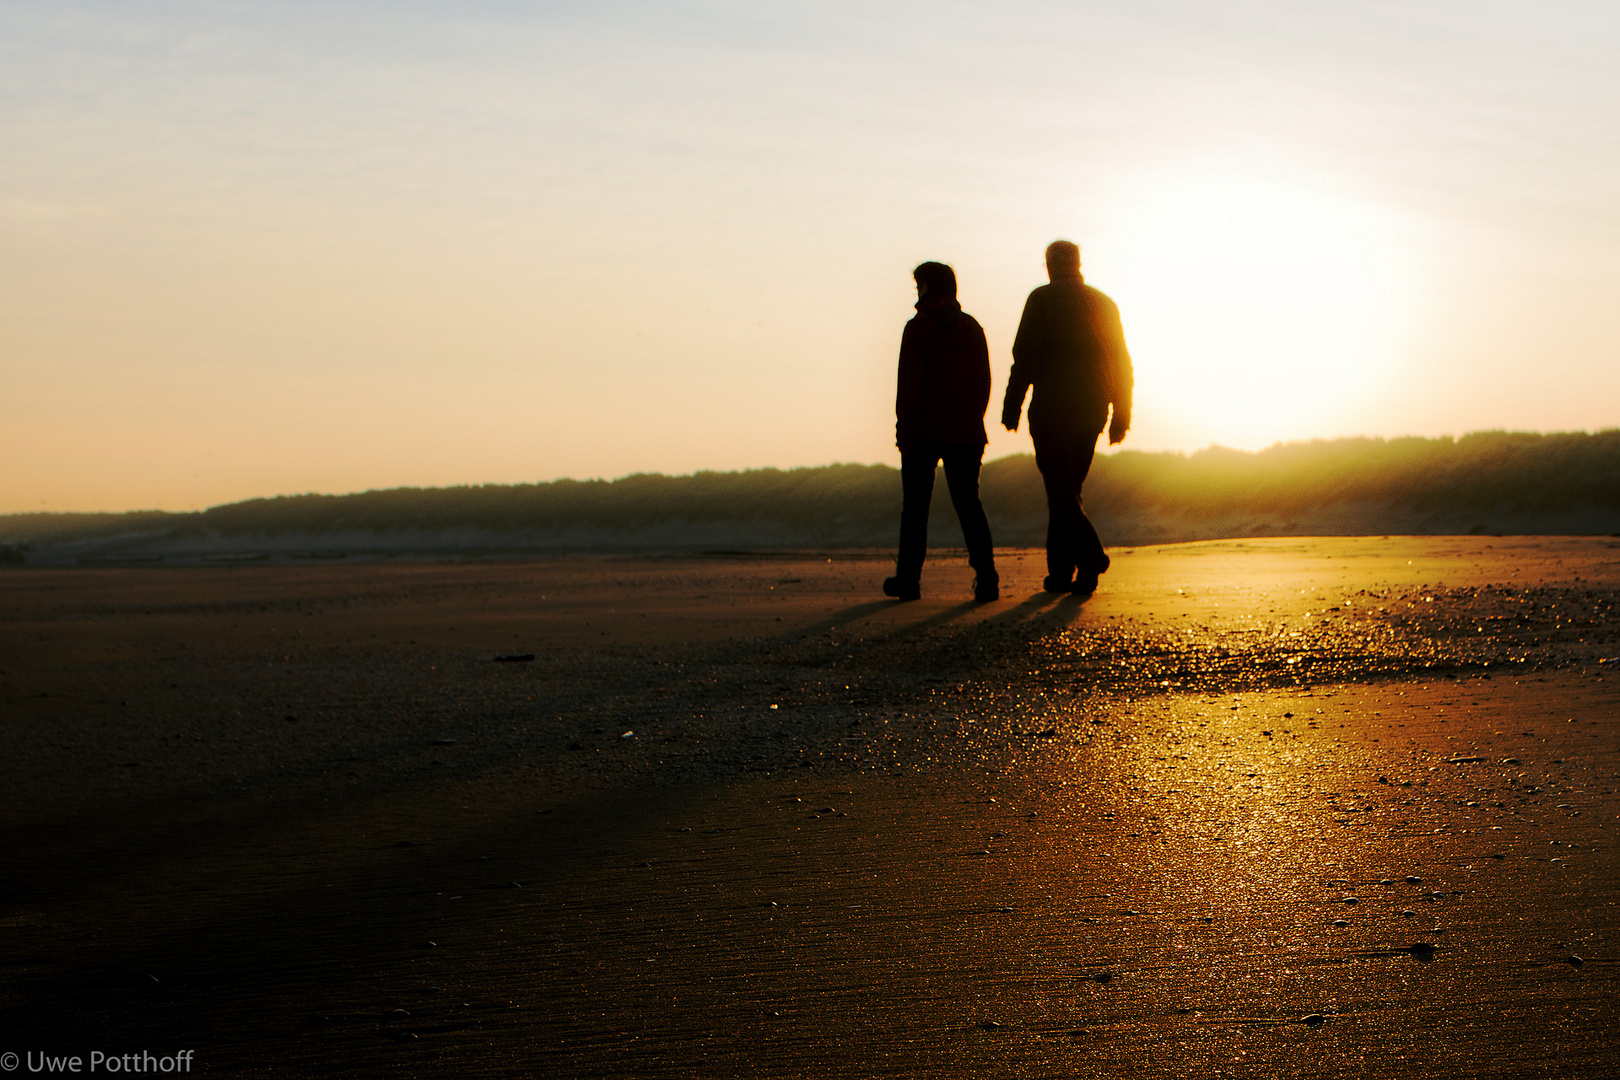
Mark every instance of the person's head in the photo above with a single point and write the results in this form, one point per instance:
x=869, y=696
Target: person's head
x=935, y=279
x=1062, y=259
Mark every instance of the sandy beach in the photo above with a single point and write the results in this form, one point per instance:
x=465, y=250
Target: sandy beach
x=1302, y=807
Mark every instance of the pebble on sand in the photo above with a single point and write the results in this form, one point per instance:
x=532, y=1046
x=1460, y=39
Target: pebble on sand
x=1313, y=1020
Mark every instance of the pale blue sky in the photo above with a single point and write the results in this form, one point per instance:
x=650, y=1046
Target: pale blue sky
x=257, y=248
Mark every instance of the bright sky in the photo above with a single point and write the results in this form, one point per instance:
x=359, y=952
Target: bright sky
x=252, y=248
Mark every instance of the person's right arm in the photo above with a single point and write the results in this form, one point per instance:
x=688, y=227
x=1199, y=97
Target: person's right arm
x=1121, y=378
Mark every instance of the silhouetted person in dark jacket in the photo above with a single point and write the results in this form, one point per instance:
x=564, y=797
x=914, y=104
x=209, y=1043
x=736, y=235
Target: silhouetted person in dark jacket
x=1071, y=348
x=944, y=387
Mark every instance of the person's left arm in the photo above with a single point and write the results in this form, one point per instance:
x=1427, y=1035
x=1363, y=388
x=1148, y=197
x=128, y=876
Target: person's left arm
x=1027, y=350
x=908, y=391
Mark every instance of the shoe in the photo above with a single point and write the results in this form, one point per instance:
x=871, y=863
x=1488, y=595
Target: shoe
x=1053, y=583
x=902, y=590
x=1084, y=585
x=987, y=587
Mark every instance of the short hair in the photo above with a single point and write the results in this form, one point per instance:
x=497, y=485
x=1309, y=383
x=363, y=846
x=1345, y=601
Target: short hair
x=1063, y=255
x=940, y=279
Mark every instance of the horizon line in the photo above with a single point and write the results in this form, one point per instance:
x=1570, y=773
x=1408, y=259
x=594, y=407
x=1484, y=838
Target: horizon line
x=1102, y=452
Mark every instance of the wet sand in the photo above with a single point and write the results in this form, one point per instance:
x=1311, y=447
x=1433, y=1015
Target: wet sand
x=741, y=816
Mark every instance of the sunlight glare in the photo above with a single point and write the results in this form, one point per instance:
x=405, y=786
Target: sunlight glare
x=1255, y=312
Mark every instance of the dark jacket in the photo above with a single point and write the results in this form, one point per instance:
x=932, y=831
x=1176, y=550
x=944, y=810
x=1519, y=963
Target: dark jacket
x=1071, y=348
x=944, y=382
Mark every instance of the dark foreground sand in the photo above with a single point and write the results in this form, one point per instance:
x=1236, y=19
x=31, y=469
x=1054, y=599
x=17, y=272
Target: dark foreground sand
x=742, y=817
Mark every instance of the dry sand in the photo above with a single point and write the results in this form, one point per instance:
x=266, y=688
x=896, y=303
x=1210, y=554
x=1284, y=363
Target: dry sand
x=740, y=816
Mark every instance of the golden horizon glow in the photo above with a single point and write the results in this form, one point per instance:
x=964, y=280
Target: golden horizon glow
x=266, y=248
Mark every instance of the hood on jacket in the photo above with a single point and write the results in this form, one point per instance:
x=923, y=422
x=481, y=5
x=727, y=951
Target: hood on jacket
x=939, y=278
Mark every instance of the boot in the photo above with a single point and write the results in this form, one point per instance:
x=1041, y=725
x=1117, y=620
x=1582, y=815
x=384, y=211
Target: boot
x=987, y=586
x=902, y=590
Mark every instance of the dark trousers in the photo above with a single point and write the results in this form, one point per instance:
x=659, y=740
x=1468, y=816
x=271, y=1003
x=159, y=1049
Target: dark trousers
x=917, y=491
x=1071, y=541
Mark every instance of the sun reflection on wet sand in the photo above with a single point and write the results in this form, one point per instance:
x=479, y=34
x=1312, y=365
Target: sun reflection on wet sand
x=1341, y=863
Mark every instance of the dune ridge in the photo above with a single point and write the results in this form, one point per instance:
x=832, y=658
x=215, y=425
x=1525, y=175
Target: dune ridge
x=1488, y=482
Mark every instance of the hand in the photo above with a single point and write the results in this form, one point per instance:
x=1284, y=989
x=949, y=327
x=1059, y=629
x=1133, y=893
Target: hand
x=1117, y=429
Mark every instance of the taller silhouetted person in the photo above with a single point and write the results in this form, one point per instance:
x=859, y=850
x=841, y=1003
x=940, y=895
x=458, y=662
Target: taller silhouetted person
x=939, y=405
x=1071, y=348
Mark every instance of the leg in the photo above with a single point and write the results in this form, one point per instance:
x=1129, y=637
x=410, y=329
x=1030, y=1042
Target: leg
x=1053, y=459
x=1089, y=556
x=1073, y=549
x=916, y=493
x=962, y=477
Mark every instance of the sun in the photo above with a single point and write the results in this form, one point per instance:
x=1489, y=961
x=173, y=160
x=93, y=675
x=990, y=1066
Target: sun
x=1255, y=312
